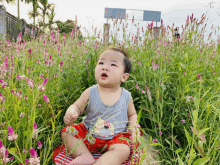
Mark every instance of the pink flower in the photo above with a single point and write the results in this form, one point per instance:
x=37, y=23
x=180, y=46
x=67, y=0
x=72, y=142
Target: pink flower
x=199, y=76
x=20, y=77
x=61, y=64
x=182, y=121
x=184, y=73
x=46, y=99
x=188, y=114
x=34, y=160
x=39, y=105
x=139, y=63
x=35, y=131
x=160, y=133
x=137, y=87
x=2, y=99
x=42, y=86
x=5, y=158
x=29, y=51
x=30, y=83
x=154, y=66
x=142, y=91
x=154, y=140
x=39, y=145
x=11, y=134
x=161, y=84
x=22, y=114
x=11, y=158
x=148, y=93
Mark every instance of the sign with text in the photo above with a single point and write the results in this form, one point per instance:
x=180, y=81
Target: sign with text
x=142, y=15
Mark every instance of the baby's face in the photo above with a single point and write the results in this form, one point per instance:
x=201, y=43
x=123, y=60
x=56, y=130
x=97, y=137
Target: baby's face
x=109, y=70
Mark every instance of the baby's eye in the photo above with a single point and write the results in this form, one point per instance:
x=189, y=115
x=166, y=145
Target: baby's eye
x=113, y=65
x=100, y=62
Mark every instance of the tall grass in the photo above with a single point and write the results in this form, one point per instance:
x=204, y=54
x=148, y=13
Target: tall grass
x=175, y=89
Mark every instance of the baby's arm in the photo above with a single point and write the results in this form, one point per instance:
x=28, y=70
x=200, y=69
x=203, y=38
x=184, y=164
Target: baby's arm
x=132, y=116
x=77, y=108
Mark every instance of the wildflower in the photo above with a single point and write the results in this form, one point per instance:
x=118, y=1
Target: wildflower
x=61, y=64
x=199, y=76
x=154, y=66
x=35, y=131
x=11, y=158
x=184, y=73
x=2, y=99
x=29, y=51
x=188, y=97
x=42, y=86
x=30, y=83
x=39, y=105
x=161, y=84
x=26, y=161
x=25, y=98
x=142, y=91
x=139, y=63
x=39, y=145
x=188, y=114
x=137, y=87
x=11, y=134
x=148, y=93
x=25, y=150
x=34, y=160
x=5, y=159
x=2, y=150
x=22, y=114
x=46, y=99
x=154, y=140
x=160, y=133
x=182, y=121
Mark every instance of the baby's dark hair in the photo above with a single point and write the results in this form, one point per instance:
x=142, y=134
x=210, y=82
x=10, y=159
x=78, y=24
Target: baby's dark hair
x=127, y=62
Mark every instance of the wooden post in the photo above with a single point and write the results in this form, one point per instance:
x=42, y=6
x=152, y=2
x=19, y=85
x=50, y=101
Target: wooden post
x=3, y=22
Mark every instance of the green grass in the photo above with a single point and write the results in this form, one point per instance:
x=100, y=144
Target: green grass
x=169, y=111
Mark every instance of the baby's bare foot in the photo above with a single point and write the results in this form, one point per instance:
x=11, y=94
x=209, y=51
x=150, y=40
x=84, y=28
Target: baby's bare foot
x=83, y=159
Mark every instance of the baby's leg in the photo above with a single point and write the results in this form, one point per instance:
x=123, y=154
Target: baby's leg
x=81, y=154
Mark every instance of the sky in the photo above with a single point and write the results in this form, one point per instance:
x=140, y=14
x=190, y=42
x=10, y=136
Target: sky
x=90, y=13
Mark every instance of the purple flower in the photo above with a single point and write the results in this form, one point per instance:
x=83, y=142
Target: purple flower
x=30, y=83
x=42, y=86
x=182, y=121
x=61, y=63
x=39, y=145
x=154, y=140
x=139, y=63
x=199, y=76
x=46, y=99
x=142, y=91
x=160, y=133
x=148, y=93
x=29, y=51
x=34, y=160
x=11, y=134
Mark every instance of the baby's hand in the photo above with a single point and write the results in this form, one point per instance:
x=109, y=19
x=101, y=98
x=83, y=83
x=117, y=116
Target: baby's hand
x=70, y=116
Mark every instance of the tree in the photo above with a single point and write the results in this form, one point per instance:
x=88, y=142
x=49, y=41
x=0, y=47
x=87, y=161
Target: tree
x=44, y=10
x=67, y=27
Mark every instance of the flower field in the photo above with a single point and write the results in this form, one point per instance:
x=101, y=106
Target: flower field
x=175, y=87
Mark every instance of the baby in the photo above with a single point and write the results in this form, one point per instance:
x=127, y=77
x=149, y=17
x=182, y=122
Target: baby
x=109, y=110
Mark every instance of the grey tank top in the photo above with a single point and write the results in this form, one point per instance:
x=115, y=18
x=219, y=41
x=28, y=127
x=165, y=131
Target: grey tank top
x=109, y=120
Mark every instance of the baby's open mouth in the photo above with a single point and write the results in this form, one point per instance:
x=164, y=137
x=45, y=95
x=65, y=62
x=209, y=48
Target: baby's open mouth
x=104, y=75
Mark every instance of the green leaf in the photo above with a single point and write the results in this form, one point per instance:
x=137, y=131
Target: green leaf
x=201, y=161
x=195, y=117
x=188, y=136
x=139, y=116
x=180, y=160
x=178, y=150
x=202, y=131
x=172, y=125
x=196, y=101
x=168, y=142
x=186, y=56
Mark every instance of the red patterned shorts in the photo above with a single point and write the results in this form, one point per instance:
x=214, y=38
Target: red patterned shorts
x=95, y=144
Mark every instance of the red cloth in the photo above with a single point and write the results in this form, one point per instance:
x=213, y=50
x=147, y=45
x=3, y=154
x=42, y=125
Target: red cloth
x=96, y=148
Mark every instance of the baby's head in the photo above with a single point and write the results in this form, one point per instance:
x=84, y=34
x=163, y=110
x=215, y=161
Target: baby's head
x=113, y=67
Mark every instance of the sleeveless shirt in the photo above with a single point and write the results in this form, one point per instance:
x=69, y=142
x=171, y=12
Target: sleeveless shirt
x=109, y=120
